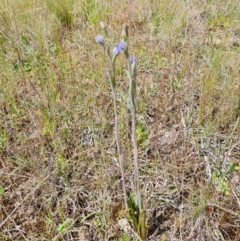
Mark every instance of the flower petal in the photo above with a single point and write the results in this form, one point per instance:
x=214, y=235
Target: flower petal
x=122, y=45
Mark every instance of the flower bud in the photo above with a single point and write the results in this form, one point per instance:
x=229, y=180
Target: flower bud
x=116, y=50
x=119, y=47
x=132, y=60
x=99, y=39
x=102, y=25
x=124, y=33
x=104, y=28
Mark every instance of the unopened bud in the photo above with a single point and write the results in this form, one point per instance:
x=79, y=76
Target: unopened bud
x=99, y=39
x=103, y=27
x=124, y=33
x=132, y=60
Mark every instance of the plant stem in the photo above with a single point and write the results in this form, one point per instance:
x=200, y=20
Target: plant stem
x=132, y=91
x=119, y=150
x=120, y=154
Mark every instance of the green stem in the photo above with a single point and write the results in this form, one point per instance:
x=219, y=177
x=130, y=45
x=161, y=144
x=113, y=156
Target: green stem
x=132, y=92
x=119, y=150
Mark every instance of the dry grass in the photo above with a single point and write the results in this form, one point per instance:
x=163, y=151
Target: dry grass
x=59, y=176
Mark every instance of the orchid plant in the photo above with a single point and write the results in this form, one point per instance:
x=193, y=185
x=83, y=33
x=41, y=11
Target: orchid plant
x=132, y=204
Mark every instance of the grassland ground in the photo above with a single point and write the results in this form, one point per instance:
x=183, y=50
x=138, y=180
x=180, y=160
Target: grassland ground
x=59, y=173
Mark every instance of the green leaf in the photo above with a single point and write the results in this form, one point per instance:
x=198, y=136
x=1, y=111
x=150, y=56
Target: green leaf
x=142, y=225
x=133, y=210
x=2, y=191
x=236, y=167
x=62, y=226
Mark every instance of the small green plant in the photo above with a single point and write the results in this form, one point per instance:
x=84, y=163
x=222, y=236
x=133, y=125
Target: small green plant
x=91, y=11
x=63, y=11
x=142, y=137
x=2, y=191
x=220, y=180
x=125, y=237
x=64, y=227
x=221, y=183
x=3, y=139
x=48, y=127
x=133, y=204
